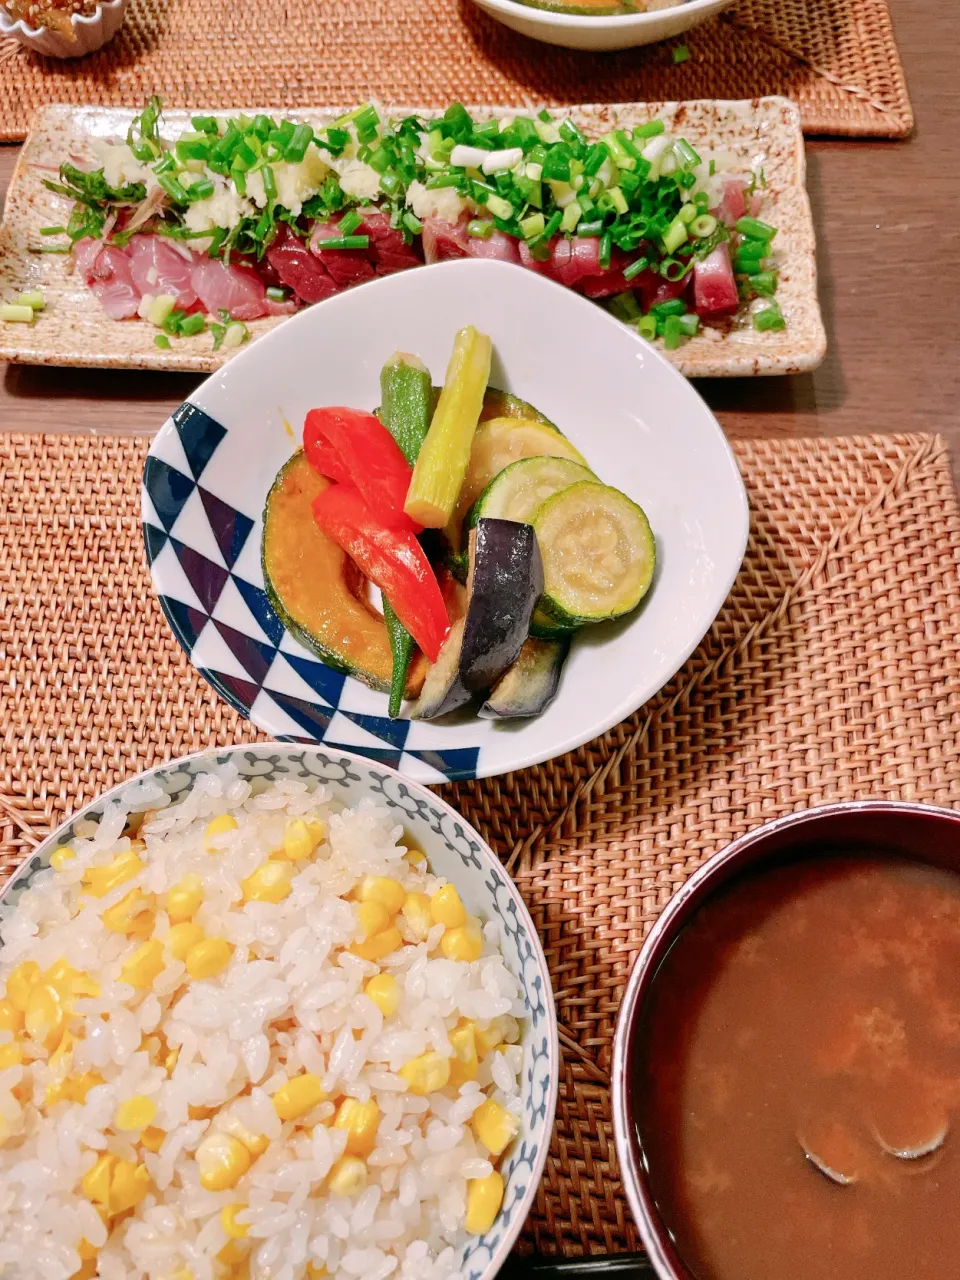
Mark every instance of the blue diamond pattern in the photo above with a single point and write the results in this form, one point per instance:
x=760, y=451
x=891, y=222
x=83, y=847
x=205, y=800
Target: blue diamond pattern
x=168, y=489
x=230, y=528
x=199, y=434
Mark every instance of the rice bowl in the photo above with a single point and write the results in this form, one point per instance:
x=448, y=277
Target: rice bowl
x=267, y=1065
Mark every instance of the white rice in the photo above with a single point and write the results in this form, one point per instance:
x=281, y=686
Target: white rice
x=290, y=1000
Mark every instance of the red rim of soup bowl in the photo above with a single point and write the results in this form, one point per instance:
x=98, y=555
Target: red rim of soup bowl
x=910, y=830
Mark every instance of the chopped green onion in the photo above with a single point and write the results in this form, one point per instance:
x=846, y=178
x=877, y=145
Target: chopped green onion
x=769, y=317
x=53, y=231
x=614, y=198
x=747, y=262
x=349, y=222
x=754, y=229
x=553, y=225
x=12, y=313
x=532, y=226
x=673, y=269
x=458, y=121
x=480, y=228
x=366, y=122
x=162, y=341
x=204, y=124
x=635, y=268
x=276, y=294
x=193, y=324
x=647, y=327
x=687, y=214
x=570, y=133
x=690, y=325
x=165, y=165
x=675, y=307
x=32, y=298
x=269, y=182
x=674, y=236
x=390, y=184
x=297, y=147
x=606, y=247
x=412, y=222
x=625, y=307
x=671, y=333
x=345, y=242
x=201, y=190
x=192, y=149
x=571, y=216
x=239, y=180
x=173, y=188
x=650, y=129
x=594, y=228
x=685, y=154
x=262, y=125
x=763, y=284
x=444, y=180
x=680, y=54
x=500, y=208
x=703, y=225
x=544, y=116
x=593, y=160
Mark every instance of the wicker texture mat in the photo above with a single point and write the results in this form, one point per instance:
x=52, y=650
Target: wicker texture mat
x=837, y=58
x=833, y=672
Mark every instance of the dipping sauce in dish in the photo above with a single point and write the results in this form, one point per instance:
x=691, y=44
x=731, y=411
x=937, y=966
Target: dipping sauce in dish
x=798, y=1080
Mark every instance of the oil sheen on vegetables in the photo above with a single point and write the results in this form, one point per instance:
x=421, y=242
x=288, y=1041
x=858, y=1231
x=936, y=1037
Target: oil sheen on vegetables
x=799, y=1081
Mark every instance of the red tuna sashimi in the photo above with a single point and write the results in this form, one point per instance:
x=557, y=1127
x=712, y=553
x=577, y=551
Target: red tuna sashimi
x=612, y=280
x=387, y=247
x=571, y=261
x=443, y=240
x=298, y=268
x=714, y=285
x=733, y=200
x=158, y=268
x=345, y=266
x=106, y=269
x=498, y=245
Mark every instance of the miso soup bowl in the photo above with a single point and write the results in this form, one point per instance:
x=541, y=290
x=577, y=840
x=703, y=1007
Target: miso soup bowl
x=921, y=832
x=602, y=34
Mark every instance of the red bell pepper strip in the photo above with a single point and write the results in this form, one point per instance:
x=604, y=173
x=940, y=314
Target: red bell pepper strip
x=323, y=457
x=391, y=558
x=368, y=455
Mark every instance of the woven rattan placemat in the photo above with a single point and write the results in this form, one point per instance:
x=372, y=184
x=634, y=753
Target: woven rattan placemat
x=833, y=672
x=837, y=58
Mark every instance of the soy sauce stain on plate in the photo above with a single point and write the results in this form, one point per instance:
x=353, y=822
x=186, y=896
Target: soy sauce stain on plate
x=799, y=1078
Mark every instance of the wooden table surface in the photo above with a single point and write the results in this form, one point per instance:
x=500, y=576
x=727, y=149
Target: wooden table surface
x=888, y=239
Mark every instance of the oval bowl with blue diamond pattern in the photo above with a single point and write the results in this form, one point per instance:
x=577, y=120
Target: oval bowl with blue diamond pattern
x=457, y=852
x=639, y=423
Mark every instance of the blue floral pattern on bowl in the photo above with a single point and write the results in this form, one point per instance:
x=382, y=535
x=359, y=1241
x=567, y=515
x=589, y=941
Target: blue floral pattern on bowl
x=455, y=851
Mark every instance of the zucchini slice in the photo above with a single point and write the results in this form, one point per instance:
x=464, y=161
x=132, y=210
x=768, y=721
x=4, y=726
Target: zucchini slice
x=523, y=487
x=531, y=684
x=598, y=554
x=496, y=444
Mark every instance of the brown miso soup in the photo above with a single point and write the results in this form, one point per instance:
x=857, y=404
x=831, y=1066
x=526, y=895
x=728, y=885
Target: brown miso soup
x=798, y=1087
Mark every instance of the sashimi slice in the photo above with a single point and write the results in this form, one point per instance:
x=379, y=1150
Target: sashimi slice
x=298, y=268
x=345, y=266
x=714, y=285
x=235, y=289
x=498, y=246
x=387, y=247
x=158, y=268
x=107, y=271
x=444, y=240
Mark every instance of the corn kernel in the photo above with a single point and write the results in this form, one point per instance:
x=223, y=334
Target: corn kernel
x=465, y=1063
x=144, y=966
x=153, y=1139
x=361, y=1121
x=185, y=898
x=11, y=1018
x=95, y=1183
x=134, y=1113
x=348, y=1176
x=269, y=883
x=416, y=912
x=86, y=1250
x=127, y=915
x=384, y=991
x=208, y=958
x=465, y=942
x=60, y=857
x=63, y=1049
x=218, y=826
x=129, y=1183
x=494, y=1126
x=21, y=982
x=446, y=907
x=416, y=858
x=11, y=1055
x=379, y=944
x=44, y=1017
x=182, y=938
x=222, y=1160
x=390, y=893
x=87, y=1271
x=69, y=981
x=298, y=1096
x=491, y=1037
x=316, y=1270
x=255, y=1143
x=183, y=1273
x=233, y=1254
x=426, y=1074
x=199, y=1113
x=170, y=1061
x=99, y=881
x=373, y=917
x=484, y=1198
x=301, y=838
x=228, y=1220
x=72, y=1088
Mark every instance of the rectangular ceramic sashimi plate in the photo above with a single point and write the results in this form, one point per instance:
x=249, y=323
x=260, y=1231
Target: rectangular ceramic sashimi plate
x=763, y=134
